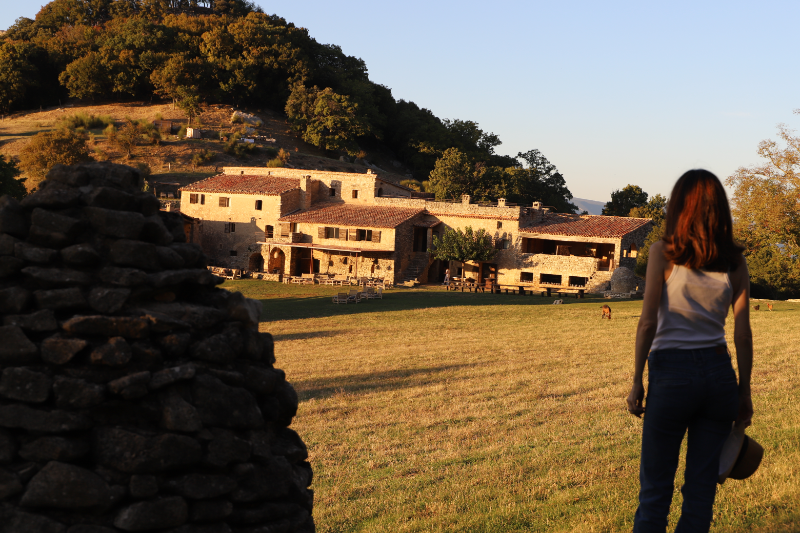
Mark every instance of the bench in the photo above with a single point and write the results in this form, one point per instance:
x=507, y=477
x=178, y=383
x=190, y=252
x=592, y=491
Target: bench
x=564, y=292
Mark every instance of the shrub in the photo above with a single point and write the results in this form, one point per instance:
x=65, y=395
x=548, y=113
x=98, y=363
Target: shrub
x=110, y=132
x=99, y=154
x=159, y=116
x=275, y=163
x=237, y=149
x=49, y=148
x=283, y=155
x=85, y=121
x=202, y=157
x=272, y=153
x=144, y=170
x=182, y=132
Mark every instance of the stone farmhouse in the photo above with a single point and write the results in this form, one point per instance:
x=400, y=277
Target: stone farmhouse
x=292, y=222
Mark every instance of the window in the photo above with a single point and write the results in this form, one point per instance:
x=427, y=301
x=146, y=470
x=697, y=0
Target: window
x=293, y=227
x=526, y=276
x=502, y=244
x=380, y=191
x=499, y=225
x=234, y=253
x=268, y=232
x=233, y=227
x=224, y=201
x=331, y=233
x=192, y=198
x=549, y=279
x=227, y=228
x=362, y=234
x=202, y=199
x=355, y=193
x=333, y=191
x=258, y=205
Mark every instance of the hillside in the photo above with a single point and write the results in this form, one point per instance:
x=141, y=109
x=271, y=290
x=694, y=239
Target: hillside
x=171, y=159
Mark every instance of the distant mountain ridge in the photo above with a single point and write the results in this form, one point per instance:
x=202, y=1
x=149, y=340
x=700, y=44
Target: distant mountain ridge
x=592, y=206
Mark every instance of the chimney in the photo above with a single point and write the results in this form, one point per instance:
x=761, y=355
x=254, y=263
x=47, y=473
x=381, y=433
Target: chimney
x=501, y=202
x=537, y=205
x=465, y=199
x=305, y=196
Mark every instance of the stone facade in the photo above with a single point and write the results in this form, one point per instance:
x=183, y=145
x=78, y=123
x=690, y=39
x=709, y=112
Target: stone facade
x=312, y=224
x=134, y=395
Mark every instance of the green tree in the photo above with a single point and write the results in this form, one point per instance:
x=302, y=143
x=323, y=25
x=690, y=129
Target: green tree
x=622, y=201
x=86, y=77
x=128, y=136
x=17, y=75
x=537, y=180
x=325, y=119
x=188, y=102
x=655, y=208
x=9, y=183
x=462, y=246
x=46, y=149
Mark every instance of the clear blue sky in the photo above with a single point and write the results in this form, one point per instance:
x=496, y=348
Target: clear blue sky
x=610, y=92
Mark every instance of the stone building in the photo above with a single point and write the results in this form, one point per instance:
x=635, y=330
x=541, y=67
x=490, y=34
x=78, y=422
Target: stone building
x=292, y=222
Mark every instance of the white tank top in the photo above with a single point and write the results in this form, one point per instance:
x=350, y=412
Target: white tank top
x=694, y=304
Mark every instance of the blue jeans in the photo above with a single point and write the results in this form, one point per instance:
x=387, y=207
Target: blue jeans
x=692, y=390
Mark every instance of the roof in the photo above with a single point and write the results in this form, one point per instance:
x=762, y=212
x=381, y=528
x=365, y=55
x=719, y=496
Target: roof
x=244, y=184
x=365, y=216
x=586, y=226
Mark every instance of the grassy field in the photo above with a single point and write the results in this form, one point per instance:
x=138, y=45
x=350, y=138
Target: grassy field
x=435, y=411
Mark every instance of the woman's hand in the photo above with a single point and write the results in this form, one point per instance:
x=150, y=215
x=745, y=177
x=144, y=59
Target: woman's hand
x=745, y=415
x=636, y=399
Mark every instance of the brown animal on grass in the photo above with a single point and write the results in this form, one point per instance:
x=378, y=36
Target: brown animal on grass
x=756, y=307
x=769, y=306
x=606, y=312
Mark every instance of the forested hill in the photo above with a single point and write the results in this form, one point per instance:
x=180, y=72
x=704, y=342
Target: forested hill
x=229, y=51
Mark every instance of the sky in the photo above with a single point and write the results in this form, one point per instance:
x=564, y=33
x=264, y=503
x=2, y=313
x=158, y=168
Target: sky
x=612, y=93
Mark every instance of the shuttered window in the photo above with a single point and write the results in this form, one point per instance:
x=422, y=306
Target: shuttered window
x=224, y=201
x=227, y=227
x=322, y=232
x=258, y=205
x=192, y=198
x=202, y=199
x=285, y=229
x=376, y=236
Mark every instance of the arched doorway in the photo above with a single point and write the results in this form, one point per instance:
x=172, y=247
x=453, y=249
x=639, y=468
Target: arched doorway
x=256, y=263
x=276, y=261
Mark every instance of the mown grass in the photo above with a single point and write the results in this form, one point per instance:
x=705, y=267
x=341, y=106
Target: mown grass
x=435, y=411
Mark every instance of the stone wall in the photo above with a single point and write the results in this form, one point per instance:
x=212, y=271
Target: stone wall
x=134, y=395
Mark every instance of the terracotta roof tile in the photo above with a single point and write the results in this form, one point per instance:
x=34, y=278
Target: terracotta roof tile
x=244, y=184
x=586, y=226
x=365, y=216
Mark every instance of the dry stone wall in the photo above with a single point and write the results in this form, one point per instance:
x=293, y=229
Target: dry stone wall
x=134, y=395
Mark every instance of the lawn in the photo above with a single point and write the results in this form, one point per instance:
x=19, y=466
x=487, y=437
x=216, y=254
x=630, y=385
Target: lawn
x=436, y=411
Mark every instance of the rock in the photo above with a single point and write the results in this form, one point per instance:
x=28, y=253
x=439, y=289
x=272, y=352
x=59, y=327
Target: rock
x=39, y=321
x=10, y=265
x=16, y=348
x=54, y=449
x=148, y=205
x=174, y=223
x=107, y=300
x=25, y=385
x=244, y=310
x=34, y=254
x=168, y=258
x=201, y=486
x=227, y=448
x=105, y=326
x=7, y=244
x=24, y=417
x=66, y=486
x=178, y=414
x=9, y=484
x=137, y=254
x=171, y=375
x=156, y=514
x=15, y=521
x=73, y=393
x=88, y=528
x=197, y=316
x=190, y=253
x=146, y=356
x=132, y=386
x=49, y=277
x=234, y=379
x=52, y=239
x=267, y=512
x=48, y=221
x=289, y=444
x=110, y=198
x=136, y=454
x=60, y=350
x=223, y=406
x=71, y=298
x=143, y=486
x=52, y=194
x=14, y=299
x=262, y=380
x=268, y=355
x=286, y=406
x=199, y=276
x=80, y=254
x=161, y=323
x=116, y=352
x=12, y=218
x=262, y=482
x=120, y=224
x=623, y=280
x=175, y=344
x=8, y=447
x=155, y=231
x=209, y=510
x=219, y=527
x=123, y=277
x=221, y=348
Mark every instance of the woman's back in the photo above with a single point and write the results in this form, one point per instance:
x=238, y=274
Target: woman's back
x=694, y=305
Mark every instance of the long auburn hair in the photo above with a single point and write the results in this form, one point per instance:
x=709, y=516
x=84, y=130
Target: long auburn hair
x=699, y=227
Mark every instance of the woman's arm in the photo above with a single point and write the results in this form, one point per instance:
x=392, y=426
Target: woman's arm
x=743, y=339
x=648, y=322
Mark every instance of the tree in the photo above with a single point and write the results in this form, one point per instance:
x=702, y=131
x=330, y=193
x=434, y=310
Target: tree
x=462, y=246
x=537, y=180
x=325, y=119
x=188, y=102
x=452, y=175
x=766, y=213
x=128, y=136
x=18, y=77
x=9, y=183
x=623, y=201
x=46, y=149
x=655, y=235
x=654, y=209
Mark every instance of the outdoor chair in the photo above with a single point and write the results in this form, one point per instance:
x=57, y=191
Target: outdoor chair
x=371, y=294
x=340, y=298
x=354, y=296
x=379, y=293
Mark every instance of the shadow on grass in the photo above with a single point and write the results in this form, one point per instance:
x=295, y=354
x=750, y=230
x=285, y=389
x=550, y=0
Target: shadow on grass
x=305, y=335
x=372, y=382
x=322, y=306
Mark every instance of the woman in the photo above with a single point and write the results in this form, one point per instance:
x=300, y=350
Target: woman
x=694, y=274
